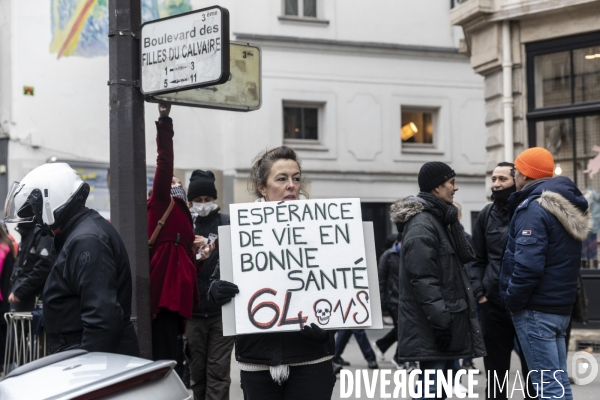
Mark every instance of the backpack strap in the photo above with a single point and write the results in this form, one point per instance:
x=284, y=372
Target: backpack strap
x=160, y=224
x=486, y=216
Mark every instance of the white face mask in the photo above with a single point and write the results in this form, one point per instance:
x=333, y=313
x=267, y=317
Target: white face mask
x=203, y=209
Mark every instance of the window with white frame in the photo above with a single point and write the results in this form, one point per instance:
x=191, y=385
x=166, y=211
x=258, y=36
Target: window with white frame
x=301, y=122
x=417, y=127
x=300, y=8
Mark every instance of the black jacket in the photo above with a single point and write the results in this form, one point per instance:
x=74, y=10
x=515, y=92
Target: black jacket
x=204, y=226
x=489, y=241
x=87, y=297
x=388, y=269
x=33, y=264
x=434, y=288
x=279, y=348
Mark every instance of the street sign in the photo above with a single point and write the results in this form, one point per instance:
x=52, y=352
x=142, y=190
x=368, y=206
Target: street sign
x=185, y=51
x=243, y=91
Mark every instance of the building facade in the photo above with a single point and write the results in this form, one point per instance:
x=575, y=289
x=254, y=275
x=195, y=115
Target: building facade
x=365, y=93
x=541, y=65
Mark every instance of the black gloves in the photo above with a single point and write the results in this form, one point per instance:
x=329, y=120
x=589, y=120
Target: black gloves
x=222, y=292
x=314, y=333
x=443, y=338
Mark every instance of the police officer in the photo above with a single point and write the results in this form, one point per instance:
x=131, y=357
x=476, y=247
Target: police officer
x=87, y=296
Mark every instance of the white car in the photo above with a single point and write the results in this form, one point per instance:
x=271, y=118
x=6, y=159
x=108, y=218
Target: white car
x=77, y=374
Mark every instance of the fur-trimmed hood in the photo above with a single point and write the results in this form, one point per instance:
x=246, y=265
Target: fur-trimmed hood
x=561, y=198
x=404, y=209
x=576, y=222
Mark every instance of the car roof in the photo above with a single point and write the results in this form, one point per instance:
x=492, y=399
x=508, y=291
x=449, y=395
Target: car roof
x=78, y=375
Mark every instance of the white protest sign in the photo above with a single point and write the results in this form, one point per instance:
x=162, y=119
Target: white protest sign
x=299, y=262
x=185, y=51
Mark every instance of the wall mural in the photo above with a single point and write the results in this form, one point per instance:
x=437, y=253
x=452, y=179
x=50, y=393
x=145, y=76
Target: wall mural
x=80, y=27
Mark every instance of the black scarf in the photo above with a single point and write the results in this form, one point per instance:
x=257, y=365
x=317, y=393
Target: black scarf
x=449, y=216
x=501, y=196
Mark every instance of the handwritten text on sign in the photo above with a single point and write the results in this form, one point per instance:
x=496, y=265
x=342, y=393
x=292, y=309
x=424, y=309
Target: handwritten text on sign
x=299, y=262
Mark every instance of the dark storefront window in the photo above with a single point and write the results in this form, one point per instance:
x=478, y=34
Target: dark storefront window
x=564, y=115
x=567, y=77
x=563, y=85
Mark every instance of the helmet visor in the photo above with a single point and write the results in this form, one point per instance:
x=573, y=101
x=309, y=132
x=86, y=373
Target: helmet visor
x=25, y=213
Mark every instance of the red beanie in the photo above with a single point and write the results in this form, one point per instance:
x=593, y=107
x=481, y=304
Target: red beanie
x=535, y=163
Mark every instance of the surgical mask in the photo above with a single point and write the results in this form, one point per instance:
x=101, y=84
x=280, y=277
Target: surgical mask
x=203, y=209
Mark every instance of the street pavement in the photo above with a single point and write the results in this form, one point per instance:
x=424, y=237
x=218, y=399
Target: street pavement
x=354, y=356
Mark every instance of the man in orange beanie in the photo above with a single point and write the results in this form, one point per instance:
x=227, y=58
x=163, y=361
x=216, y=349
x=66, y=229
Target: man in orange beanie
x=533, y=164
x=538, y=280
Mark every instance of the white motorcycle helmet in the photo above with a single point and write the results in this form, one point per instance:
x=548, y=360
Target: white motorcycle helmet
x=44, y=195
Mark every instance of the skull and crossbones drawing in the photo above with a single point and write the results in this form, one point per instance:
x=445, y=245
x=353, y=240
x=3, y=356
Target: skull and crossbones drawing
x=322, y=308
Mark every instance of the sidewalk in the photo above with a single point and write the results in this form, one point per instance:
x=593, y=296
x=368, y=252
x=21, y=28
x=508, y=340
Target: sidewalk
x=354, y=356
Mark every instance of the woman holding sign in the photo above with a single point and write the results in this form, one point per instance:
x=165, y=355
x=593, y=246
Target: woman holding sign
x=282, y=365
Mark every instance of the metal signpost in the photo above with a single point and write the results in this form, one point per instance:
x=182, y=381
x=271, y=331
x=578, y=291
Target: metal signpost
x=128, y=157
x=185, y=51
x=167, y=60
x=242, y=92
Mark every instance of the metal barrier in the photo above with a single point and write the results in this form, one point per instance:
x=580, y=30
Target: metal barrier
x=22, y=344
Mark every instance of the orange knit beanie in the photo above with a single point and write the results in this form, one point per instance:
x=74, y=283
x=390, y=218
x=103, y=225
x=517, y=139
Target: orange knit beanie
x=535, y=163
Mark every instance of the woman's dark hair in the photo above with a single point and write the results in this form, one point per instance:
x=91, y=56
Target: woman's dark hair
x=261, y=167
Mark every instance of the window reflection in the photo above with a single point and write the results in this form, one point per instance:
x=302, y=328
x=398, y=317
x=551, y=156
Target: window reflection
x=575, y=146
x=552, y=79
x=586, y=74
x=557, y=85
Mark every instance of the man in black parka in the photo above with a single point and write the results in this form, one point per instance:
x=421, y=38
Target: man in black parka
x=437, y=321
x=87, y=297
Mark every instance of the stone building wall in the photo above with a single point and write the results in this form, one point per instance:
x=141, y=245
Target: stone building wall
x=530, y=21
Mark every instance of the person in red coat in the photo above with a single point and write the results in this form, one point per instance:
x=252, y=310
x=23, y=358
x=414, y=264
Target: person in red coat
x=173, y=284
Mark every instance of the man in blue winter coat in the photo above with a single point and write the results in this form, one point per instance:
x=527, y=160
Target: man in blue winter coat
x=538, y=281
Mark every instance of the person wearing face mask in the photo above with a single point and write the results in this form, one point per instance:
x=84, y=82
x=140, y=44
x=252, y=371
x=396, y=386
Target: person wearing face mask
x=280, y=365
x=209, y=351
x=489, y=238
x=173, y=285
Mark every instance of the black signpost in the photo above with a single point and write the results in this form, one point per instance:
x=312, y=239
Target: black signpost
x=128, y=157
